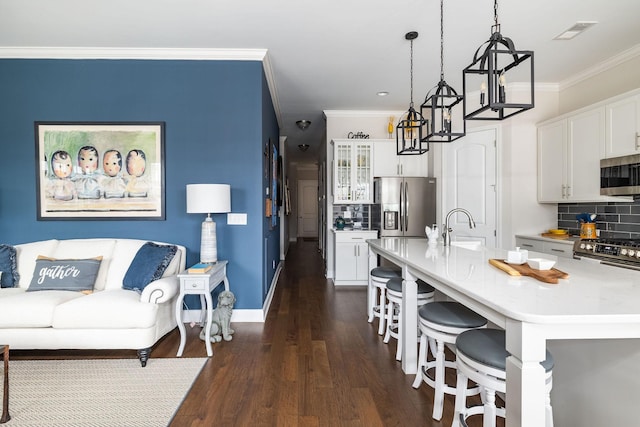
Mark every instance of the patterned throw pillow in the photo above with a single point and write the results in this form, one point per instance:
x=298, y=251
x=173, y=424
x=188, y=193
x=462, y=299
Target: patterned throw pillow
x=53, y=274
x=148, y=265
x=8, y=267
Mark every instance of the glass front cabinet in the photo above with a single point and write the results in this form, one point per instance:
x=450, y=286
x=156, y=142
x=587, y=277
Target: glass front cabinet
x=352, y=171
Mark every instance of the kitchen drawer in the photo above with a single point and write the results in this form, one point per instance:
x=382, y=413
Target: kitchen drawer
x=355, y=236
x=530, y=244
x=558, y=249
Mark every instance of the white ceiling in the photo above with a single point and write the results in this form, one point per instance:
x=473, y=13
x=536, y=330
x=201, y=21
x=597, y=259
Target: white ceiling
x=335, y=54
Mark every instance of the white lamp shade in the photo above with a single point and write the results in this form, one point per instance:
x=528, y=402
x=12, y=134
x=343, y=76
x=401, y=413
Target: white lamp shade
x=208, y=198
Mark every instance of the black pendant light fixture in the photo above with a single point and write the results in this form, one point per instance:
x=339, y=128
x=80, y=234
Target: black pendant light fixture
x=409, y=129
x=439, y=102
x=485, y=81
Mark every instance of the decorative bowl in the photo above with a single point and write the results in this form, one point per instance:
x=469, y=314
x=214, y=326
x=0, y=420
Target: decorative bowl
x=541, y=263
x=557, y=231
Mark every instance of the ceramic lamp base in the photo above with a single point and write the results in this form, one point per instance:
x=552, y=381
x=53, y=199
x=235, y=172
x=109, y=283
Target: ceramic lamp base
x=208, y=244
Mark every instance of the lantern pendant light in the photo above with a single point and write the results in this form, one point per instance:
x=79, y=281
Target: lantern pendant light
x=485, y=81
x=409, y=139
x=439, y=102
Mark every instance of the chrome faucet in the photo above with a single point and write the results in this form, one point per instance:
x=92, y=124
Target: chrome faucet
x=447, y=229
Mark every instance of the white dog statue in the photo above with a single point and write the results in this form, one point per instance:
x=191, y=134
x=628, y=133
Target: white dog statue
x=221, y=318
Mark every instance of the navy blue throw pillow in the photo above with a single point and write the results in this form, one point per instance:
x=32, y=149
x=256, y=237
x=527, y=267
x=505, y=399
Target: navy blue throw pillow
x=8, y=267
x=148, y=265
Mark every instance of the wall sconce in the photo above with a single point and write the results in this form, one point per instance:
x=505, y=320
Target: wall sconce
x=208, y=198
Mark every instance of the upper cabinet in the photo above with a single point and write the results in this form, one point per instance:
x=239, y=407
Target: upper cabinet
x=352, y=171
x=623, y=127
x=386, y=161
x=569, y=153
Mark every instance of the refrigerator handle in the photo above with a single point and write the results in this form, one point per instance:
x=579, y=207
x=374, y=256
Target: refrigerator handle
x=401, y=209
x=406, y=206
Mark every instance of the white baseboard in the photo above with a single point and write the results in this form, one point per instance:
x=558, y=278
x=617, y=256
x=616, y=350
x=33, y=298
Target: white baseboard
x=242, y=315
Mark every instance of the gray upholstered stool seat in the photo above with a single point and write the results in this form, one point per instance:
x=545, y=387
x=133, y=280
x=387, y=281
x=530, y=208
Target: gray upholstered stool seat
x=426, y=294
x=440, y=323
x=395, y=284
x=451, y=314
x=376, y=298
x=386, y=272
x=481, y=356
x=488, y=346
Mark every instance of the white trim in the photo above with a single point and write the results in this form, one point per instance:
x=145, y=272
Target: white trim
x=601, y=67
x=191, y=54
x=242, y=315
x=133, y=53
x=354, y=113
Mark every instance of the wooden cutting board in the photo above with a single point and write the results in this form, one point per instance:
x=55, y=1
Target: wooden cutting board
x=547, y=276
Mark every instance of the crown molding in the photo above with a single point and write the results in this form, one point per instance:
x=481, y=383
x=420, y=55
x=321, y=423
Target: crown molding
x=360, y=113
x=132, y=53
x=601, y=67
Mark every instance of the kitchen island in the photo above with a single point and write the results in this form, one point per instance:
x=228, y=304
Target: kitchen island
x=595, y=302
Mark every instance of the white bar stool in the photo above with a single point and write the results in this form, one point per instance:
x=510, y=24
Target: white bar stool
x=426, y=294
x=481, y=357
x=376, y=299
x=440, y=323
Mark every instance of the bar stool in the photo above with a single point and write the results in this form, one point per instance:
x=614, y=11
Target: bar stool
x=376, y=291
x=481, y=357
x=426, y=293
x=440, y=323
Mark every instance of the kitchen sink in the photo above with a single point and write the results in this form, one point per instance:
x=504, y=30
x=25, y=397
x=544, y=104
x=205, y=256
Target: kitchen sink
x=473, y=245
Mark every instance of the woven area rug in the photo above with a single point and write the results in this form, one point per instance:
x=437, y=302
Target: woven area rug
x=98, y=392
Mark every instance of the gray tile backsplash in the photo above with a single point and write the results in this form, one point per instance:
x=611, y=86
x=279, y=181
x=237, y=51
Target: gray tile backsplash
x=359, y=213
x=613, y=220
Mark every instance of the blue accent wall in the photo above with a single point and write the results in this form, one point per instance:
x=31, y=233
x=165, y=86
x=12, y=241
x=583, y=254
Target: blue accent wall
x=217, y=115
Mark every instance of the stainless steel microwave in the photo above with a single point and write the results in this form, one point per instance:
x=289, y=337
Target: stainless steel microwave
x=620, y=176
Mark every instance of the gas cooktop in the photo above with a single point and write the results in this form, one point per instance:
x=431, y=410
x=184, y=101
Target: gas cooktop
x=618, y=252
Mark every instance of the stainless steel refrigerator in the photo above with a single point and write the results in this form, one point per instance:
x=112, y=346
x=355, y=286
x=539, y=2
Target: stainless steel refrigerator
x=403, y=206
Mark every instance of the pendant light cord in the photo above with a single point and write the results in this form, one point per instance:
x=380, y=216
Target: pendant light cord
x=441, y=40
x=411, y=72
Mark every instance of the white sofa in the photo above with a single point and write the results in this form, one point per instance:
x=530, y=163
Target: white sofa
x=108, y=318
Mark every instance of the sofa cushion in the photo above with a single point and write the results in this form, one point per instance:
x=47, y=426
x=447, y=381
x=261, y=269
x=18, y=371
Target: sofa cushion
x=27, y=254
x=110, y=309
x=89, y=248
x=65, y=274
x=148, y=265
x=8, y=267
x=31, y=309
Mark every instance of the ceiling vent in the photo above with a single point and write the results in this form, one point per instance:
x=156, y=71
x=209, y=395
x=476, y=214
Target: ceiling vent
x=577, y=28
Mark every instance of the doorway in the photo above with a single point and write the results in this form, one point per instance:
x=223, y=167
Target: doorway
x=470, y=183
x=308, y=208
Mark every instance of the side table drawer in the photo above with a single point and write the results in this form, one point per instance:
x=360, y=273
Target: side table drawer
x=195, y=285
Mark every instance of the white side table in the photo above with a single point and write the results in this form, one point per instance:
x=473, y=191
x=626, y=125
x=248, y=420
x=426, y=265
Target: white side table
x=200, y=284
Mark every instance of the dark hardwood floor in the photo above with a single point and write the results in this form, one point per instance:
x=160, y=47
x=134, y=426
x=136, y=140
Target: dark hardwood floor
x=316, y=361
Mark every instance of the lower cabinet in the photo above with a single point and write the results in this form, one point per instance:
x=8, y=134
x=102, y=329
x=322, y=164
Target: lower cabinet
x=351, y=260
x=559, y=248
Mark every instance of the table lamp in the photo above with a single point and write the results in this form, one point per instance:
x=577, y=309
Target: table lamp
x=208, y=198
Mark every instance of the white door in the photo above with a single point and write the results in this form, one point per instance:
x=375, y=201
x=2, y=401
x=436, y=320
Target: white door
x=470, y=183
x=307, y=208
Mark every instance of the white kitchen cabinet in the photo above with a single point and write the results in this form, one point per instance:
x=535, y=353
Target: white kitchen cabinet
x=352, y=171
x=559, y=248
x=351, y=254
x=569, y=153
x=387, y=162
x=623, y=127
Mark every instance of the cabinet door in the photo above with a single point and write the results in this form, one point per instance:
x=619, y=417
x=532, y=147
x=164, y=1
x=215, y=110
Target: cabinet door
x=343, y=155
x=363, y=172
x=345, y=262
x=623, y=127
x=585, y=149
x=362, y=261
x=552, y=138
x=414, y=165
x=385, y=159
